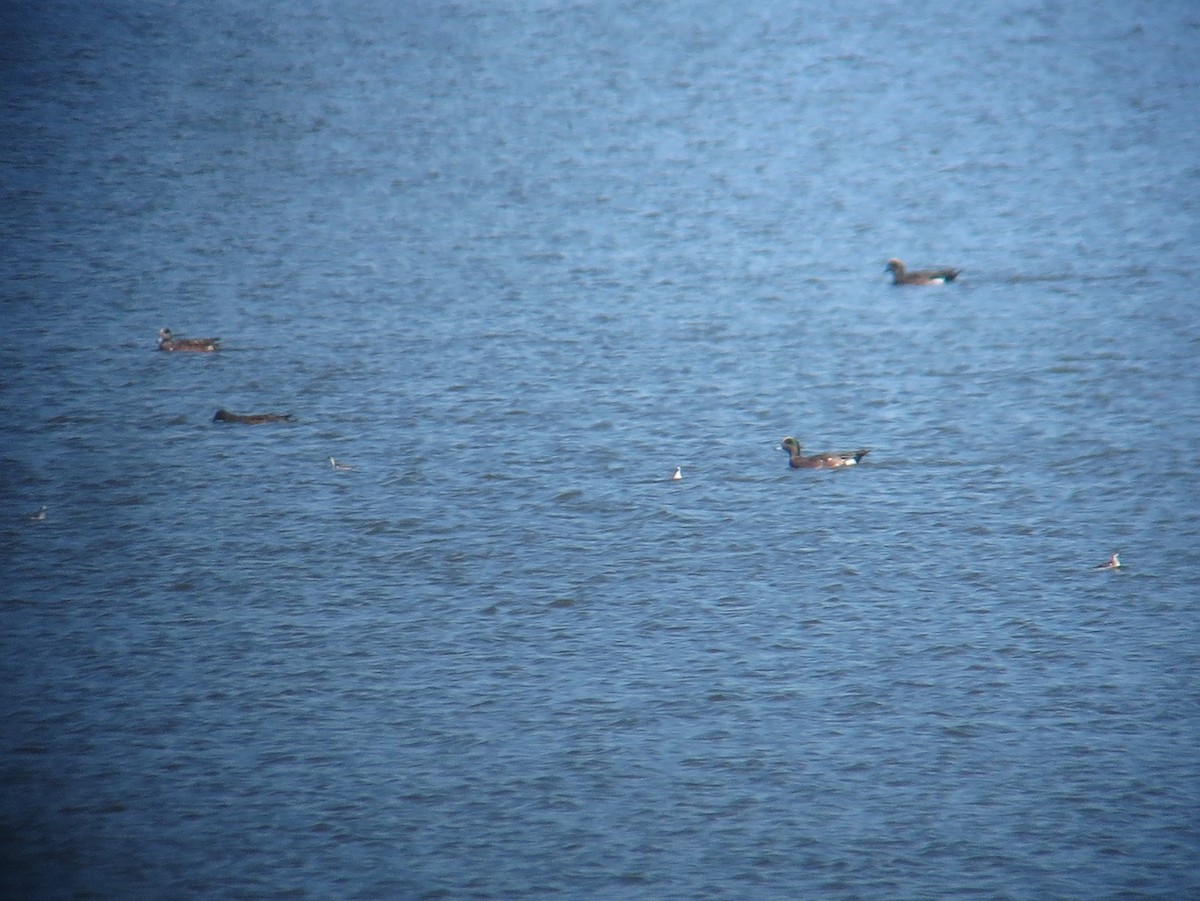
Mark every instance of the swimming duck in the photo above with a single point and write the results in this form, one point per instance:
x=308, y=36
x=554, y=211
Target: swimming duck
x=1114, y=562
x=678, y=474
x=900, y=276
x=39, y=516
x=796, y=460
x=338, y=465
x=252, y=418
x=167, y=341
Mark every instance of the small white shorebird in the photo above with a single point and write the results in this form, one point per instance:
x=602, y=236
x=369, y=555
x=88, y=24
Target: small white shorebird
x=1114, y=562
x=341, y=467
x=39, y=516
x=678, y=474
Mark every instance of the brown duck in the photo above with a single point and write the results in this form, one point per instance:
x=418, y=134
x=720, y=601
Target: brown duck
x=252, y=418
x=901, y=276
x=797, y=460
x=168, y=342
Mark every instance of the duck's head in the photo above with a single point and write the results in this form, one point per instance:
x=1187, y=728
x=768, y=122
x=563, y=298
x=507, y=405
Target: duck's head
x=791, y=445
x=894, y=266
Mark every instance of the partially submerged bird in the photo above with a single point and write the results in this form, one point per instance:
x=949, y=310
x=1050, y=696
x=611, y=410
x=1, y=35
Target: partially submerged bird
x=1114, y=562
x=39, y=516
x=341, y=467
x=252, y=418
x=834, y=460
x=167, y=341
x=678, y=474
x=901, y=276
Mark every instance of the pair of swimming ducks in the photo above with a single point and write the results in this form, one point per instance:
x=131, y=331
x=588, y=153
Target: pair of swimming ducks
x=837, y=459
x=169, y=342
x=900, y=276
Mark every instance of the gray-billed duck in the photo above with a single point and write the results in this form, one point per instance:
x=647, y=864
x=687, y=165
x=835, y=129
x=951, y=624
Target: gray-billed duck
x=901, y=276
x=252, y=418
x=797, y=460
x=167, y=341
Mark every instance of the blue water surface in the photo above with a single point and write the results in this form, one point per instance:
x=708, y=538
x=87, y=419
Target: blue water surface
x=515, y=262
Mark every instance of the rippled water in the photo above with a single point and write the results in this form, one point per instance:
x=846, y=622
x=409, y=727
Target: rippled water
x=515, y=262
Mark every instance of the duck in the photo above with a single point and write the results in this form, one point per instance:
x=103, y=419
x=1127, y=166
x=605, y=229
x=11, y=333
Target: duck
x=901, y=276
x=39, y=516
x=339, y=466
x=252, y=418
x=678, y=474
x=168, y=342
x=835, y=460
x=1113, y=562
